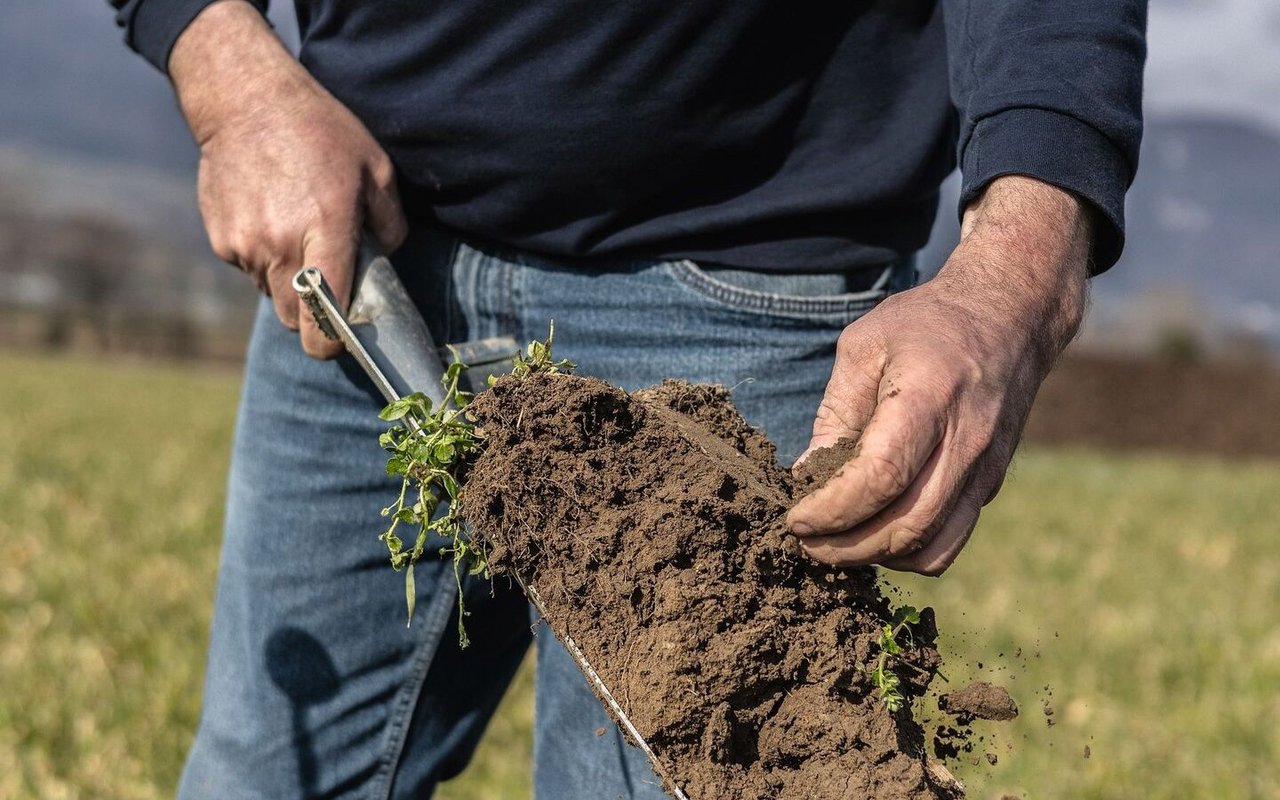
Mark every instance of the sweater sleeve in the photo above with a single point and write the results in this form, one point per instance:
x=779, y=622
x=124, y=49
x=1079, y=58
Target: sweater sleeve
x=152, y=26
x=1051, y=89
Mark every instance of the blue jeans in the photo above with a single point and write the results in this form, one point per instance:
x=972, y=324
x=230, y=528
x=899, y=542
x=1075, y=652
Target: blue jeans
x=314, y=686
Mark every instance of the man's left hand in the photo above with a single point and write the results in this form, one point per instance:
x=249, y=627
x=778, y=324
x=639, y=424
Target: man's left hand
x=937, y=382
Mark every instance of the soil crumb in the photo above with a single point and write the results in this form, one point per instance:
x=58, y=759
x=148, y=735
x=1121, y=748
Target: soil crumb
x=822, y=465
x=979, y=700
x=652, y=527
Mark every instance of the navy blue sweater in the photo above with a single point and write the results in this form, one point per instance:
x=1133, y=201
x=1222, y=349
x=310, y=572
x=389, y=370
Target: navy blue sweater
x=752, y=133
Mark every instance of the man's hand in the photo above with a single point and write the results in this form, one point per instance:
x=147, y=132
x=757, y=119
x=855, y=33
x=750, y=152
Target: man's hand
x=288, y=175
x=938, y=382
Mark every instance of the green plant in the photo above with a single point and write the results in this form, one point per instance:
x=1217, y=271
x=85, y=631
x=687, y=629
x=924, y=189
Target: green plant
x=428, y=445
x=885, y=680
x=538, y=358
x=427, y=448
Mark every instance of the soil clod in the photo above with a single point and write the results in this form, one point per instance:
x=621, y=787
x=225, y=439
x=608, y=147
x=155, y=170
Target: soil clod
x=979, y=700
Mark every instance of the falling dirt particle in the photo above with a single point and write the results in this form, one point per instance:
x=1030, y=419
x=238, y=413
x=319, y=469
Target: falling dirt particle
x=1048, y=710
x=600, y=731
x=1009, y=797
x=1088, y=751
x=992, y=759
x=979, y=700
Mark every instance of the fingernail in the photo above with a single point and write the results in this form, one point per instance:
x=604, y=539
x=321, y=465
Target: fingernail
x=799, y=528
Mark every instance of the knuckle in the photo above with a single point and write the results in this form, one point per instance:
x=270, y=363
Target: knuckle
x=242, y=242
x=223, y=251
x=852, y=342
x=221, y=245
x=885, y=478
x=907, y=541
x=382, y=171
x=399, y=232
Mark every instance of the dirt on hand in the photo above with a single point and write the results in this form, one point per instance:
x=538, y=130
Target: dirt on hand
x=652, y=526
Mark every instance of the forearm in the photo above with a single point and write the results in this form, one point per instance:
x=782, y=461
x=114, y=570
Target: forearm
x=1024, y=256
x=229, y=60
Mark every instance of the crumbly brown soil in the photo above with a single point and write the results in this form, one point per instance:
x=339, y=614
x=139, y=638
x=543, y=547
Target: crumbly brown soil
x=652, y=527
x=979, y=700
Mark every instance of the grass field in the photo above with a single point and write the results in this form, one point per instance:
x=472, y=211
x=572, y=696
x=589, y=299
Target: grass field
x=1143, y=590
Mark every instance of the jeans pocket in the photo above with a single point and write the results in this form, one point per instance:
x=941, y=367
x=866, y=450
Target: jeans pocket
x=813, y=297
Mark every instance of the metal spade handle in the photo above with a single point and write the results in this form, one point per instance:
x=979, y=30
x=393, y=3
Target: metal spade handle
x=383, y=329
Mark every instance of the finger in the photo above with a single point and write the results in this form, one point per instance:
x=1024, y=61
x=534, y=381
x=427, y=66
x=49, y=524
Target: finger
x=334, y=254
x=278, y=285
x=906, y=526
x=902, y=434
x=941, y=553
x=849, y=400
x=384, y=214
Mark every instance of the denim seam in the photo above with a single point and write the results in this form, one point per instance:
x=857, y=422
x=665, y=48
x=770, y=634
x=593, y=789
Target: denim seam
x=449, y=299
x=690, y=275
x=507, y=314
x=436, y=622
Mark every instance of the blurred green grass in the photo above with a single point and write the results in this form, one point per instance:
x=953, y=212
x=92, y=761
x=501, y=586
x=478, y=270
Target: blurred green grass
x=1143, y=590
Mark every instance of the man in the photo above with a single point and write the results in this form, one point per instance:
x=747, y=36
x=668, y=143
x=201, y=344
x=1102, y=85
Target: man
x=717, y=191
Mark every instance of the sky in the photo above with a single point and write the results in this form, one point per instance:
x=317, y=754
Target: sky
x=1219, y=57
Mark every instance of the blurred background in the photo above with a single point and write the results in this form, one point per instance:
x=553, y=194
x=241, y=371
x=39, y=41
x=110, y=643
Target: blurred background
x=1135, y=550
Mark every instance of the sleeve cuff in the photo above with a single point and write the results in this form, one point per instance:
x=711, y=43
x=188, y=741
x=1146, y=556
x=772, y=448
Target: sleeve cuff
x=158, y=23
x=1058, y=149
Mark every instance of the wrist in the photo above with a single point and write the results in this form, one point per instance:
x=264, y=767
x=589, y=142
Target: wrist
x=226, y=63
x=1024, y=258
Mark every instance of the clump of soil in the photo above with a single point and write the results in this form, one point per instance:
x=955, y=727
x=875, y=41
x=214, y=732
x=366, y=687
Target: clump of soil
x=822, y=465
x=979, y=700
x=652, y=526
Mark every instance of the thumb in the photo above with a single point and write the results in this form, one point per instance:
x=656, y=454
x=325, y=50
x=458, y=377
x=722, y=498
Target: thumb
x=384, y=215
x=333, y=252
x=846, y=408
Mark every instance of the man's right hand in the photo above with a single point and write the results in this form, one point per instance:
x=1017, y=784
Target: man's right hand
x=288, y=175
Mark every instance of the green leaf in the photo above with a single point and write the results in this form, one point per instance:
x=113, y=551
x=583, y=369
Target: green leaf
x=395, y=410
x=450, y=486
x=906, y=614
x=410, y=593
